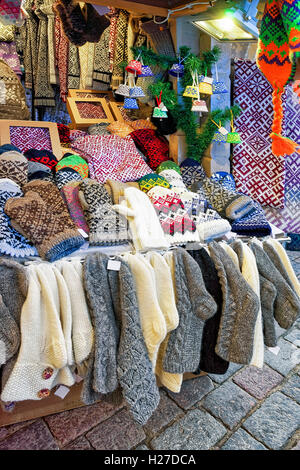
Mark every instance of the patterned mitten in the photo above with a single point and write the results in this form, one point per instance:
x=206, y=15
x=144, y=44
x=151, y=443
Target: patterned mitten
x=191, y=171
x=107, y=227
x=14, y=165
x=48, y=232
x=66, y=176
x=174, y=178
x=12, y=243
x=155, y=148
x=70, y=193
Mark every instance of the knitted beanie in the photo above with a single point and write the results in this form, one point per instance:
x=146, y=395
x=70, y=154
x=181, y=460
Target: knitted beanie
x=152, y=319
x=43, y=351
x=144, y=224
x=155, y=148
x=12, y=243
x=42, y=156
x=9, y=148
x=195, y=305
x=287, y=303
x=66, y=176
x=210, y=362
x=70, y=193
x=168, y=165
x=106, y=227
x=278, y=256
x=13, y=292
x=13, y=165
x=51, y=236
x=148, y=182
x=76, y=163
x=191, y=171
x=239, y=311
x=177, y=225
x=252, y=224
x=229, y=204
x=250, y=273
x=34, y=167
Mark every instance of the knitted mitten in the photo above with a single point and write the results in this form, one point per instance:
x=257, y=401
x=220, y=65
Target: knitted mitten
x=229, y=204
x=106, y=226
x=173, y=177
x=66, y=176
x=42, y=156
x=64, y=133
x=155, y=148
x=148, y=182
x=12, y=243
x=48, y=232
x=70, y=193
x=9, y=148
x=76, y=163
x=168, y=165
x=14, y=165
x=191, y=171
x=252, y=224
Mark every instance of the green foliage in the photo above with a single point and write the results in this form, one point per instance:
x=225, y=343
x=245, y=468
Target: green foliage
x=168, y=97
x=151, y=58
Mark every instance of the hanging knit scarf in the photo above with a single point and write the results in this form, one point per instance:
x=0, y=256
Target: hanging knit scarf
x=278, y=49
x=30, y=49
x=73, y=67
x=121, y=52
x=113, y=36
x=48, y=10
x=101, y=59
x=86, y=58
x=62, y=58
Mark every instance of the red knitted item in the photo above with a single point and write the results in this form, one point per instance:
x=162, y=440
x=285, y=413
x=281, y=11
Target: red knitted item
x=64, y=133
x=155, y=148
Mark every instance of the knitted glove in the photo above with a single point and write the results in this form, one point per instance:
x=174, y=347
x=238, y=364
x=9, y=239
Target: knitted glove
x=14, y=165
x=106, y=226
x=50, y=234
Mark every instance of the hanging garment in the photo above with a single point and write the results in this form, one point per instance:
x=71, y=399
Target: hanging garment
x=268, y=294
x=12, y=95
x=62, y=57
x=239, y=310
x=30, y=50
x=114, y=15
x=210, y=362
x=73, y=67
x=86, y=59
x=195, y=305
x=47, y=9
x=101, y=71
x=8, y=53
x=121, y=51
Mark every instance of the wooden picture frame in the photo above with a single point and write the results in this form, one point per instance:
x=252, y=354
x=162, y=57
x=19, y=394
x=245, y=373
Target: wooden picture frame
x=80, y=93
x=79, y=122
x=6, y=137
x=115, y=108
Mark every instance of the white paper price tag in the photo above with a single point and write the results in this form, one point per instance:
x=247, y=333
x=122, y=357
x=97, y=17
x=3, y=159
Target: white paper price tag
x=223, y=131
x=62, y=391
x=83, y=233
x=208, y=80
x=274, y=350
x=113, y=265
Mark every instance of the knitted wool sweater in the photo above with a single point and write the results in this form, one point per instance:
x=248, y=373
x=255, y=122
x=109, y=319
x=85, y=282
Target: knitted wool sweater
x=195, y=305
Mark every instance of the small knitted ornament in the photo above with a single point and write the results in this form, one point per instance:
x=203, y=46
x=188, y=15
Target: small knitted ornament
x=155, y=148
x=122, y=129
x=168, y=165
x=14, y=165
x=278, y=50
x=70, y=193
x=149, y=181
x=191, y=171
x=42, y=156
x=76, y=163
x=106, y=226
x=12, y=243
x=65, y=176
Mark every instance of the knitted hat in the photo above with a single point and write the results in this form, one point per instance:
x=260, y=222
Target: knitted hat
x=76, y=163
x=106, y=226
x=252, y=224
x=148, y=182
x=239, y=312
x=287, y=303
x=278, y=49
x=210, y=362
x=70, y=193
x=195, y=305
x=66, y=176
x=191, y=171
x=42, y=156
x=42, y=175
x=13, y=165
x=53, y=236
x=43, y=349
x=12, y=243
x=9, y=148
x=34, y=167
x=168, y=165
x=165, y=126
x=144, y=225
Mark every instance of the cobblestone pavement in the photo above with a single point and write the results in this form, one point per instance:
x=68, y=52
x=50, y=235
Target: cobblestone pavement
x=246, y=408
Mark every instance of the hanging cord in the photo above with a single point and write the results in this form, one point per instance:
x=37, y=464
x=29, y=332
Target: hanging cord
x=231, y=122
x=190, y=5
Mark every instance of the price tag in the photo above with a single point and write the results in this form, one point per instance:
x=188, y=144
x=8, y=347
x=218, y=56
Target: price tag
x=83, y=233
x=274, y=350
x=223, y=131
x=113, y=265
x=62, y=391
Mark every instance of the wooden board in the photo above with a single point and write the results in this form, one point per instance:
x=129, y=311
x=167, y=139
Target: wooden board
x=32, y=409
x=79, y=122
x=79, y=93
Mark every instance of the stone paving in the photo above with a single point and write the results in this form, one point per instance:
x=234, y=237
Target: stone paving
x=244, y=409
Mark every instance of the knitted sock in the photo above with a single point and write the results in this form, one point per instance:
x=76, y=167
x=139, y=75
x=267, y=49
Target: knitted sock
x=51, y=237
x=13, y=165
x=106, y=226
x=148, y=182
x=76, y=163
x=191, y=171
x=42, y=156
x=12, y=243
x=70, y=193
x=65, y=176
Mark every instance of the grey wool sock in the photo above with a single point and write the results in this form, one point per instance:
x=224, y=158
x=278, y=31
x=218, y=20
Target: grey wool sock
x=239, y=313
x=287, y=303
x=195, y=305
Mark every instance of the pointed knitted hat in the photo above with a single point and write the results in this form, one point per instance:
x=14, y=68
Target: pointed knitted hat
x=278, y=49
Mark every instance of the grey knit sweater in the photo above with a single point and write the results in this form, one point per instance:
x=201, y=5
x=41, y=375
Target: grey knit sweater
x=276, y=260
x=286, y=304
x=195, y=305
x=239, y=312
